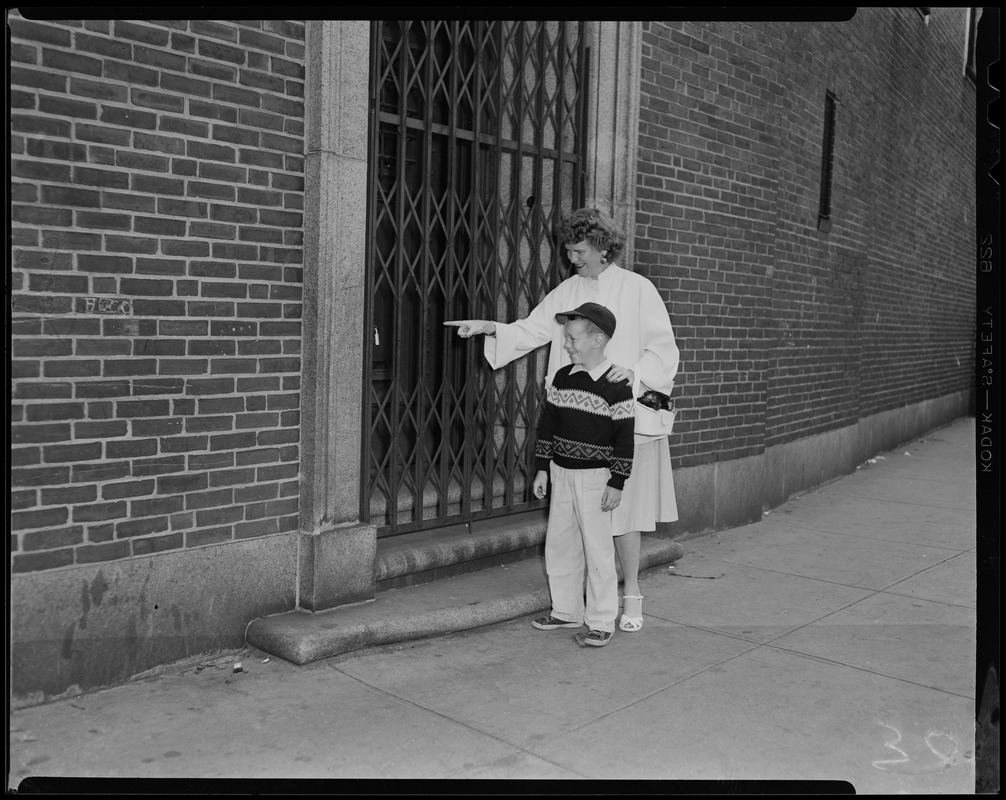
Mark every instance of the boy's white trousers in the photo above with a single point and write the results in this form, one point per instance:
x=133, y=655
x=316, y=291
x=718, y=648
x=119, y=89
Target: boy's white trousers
x=578, y=531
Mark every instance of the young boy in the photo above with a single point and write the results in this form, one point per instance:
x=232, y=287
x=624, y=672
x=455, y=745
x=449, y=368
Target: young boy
x=585, y=437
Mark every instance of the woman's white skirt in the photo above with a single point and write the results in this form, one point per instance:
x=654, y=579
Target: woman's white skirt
x=648, y=496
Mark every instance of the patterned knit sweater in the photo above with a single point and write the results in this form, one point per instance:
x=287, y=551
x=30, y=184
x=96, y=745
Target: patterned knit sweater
x=587, y=424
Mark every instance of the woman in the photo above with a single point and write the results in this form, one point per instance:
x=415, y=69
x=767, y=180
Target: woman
x=644, y=354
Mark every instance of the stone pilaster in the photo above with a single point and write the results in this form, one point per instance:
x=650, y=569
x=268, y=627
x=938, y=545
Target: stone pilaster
x=334, y=284
x=613, y=122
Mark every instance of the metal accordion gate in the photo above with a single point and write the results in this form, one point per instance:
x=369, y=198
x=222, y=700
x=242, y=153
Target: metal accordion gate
x=476, y=151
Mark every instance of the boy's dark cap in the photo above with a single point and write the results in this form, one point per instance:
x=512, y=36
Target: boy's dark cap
x=595, y=312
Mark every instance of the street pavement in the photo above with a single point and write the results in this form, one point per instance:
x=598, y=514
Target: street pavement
x=834, y=640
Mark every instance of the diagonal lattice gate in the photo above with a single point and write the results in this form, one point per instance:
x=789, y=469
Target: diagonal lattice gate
x=476, y=151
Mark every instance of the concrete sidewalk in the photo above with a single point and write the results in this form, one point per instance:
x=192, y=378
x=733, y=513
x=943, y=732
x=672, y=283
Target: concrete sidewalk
x=833, y=640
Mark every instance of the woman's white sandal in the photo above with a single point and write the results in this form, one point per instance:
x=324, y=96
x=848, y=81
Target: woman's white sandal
x=631, y=624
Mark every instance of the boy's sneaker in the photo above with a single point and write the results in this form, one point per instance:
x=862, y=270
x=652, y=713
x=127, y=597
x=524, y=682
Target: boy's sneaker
x=550, y=623
x=593, y=639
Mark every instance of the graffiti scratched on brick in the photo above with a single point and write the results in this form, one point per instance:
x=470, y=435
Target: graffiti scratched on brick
x=108, y=305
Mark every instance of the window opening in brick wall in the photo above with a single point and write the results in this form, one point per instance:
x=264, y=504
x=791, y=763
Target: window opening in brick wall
x=476, y=151
x=827, y=162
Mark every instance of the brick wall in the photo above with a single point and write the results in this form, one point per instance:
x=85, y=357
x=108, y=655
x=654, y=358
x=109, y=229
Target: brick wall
x=157, y=189
x=706, y=218
x=787, y=330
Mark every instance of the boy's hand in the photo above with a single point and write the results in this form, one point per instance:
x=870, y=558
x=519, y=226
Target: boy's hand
x=540, y=484
x=610, y=499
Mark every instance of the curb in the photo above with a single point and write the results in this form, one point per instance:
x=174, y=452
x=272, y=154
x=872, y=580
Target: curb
x=449, y=605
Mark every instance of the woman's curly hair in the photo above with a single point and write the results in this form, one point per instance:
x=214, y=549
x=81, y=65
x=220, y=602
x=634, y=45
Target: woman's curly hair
x=593, y=226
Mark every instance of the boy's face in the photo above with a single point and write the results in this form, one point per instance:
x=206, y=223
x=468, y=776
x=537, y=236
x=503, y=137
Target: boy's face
x=579, y=344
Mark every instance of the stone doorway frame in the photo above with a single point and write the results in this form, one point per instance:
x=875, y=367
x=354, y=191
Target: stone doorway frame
x=336, y=549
